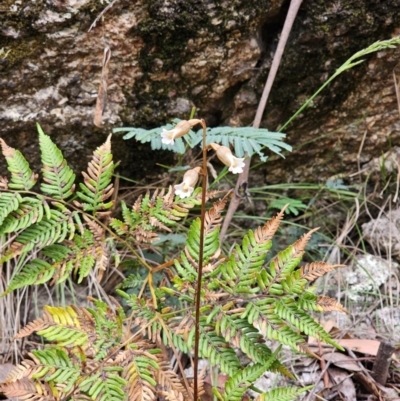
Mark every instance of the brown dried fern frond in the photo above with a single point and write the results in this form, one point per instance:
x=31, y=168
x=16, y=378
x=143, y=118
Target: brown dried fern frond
x=328, y=304
x=170, y=383
x=300, y=245
x=27, y=390
x=265, y=233
x=311, y=271
x=213, y=217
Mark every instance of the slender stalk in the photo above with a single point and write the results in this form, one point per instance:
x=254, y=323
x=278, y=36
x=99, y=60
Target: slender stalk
x=200, y=271
x=242, y=181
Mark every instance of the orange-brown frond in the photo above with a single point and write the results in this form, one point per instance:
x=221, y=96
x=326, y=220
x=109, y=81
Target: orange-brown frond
x=311, y=271
x=213, y=216
x=265, y=233
x=302, y=242
x=328, y=304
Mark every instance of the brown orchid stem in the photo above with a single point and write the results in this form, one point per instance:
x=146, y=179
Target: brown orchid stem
x=200, y=270
x=242, y=182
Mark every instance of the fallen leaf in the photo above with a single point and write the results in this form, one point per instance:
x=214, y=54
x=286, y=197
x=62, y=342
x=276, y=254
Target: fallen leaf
x=343, y=361
x=343, y=384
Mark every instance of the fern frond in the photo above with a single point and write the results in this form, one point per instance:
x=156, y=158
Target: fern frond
x=58, y=177
x=36, y=272
x=97, y=187
x=29, y=211
x=139, y=375
x=46, y=232
x=55, y=366
x=22, y=177
x=60, y=325
x=244, y=267
x=170, y=382
x=216, y=350
x=261, y=313
x=311, y=271
x=27, y=390
x=243, y=335
x=152, y=212
x=286, y=261
x=328, y=304
x=283, y=394
x=106, y=385
x=238, y=384
x=188, y=265
x=9, y=202
x=291, y=313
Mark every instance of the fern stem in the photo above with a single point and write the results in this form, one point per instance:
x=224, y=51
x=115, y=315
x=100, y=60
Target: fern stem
x=200, y=271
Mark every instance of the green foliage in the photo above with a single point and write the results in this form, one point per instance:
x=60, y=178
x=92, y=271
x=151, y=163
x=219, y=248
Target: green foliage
x=58, y=177
x=247, y=297
x=282, y=394
x=244, y=139
x=154, y=137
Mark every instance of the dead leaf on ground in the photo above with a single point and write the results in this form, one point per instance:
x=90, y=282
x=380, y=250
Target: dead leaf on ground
x=342, y=384
x=342, y=361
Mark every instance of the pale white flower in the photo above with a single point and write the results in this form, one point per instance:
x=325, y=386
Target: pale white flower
x=235, y=164
x=181, y=129
x=186, y=187
x=167, y=137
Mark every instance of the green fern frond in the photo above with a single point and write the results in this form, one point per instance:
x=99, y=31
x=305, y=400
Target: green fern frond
x=66, y=330
x=216, y=350
x=55, y=366
x=41, y=234
x=36, y=272
x=58, y=177
x=106, y=385
x=283, y=394
x=238, y=384
x=286, y=261
x=22, y=177
x=243, y=335
x=97, y=186
x=261, y=313
x=9, y=202
x=151, y=213
x=243, y=267
x=291, y=313
x=29, y=211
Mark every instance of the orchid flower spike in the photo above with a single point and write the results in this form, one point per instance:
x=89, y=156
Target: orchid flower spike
x=224, y=154
x=186, y=187
x=181, y=129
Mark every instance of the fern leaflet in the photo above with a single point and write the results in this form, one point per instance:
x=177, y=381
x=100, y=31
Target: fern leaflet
x=97, y=186
x=58, y=177
x=22, y=177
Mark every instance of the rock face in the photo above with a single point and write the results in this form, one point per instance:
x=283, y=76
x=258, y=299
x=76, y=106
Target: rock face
x=170, y=55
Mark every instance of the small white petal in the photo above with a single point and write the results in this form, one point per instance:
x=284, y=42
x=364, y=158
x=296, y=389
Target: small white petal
x=167, y=137
x=183, y=190
x=237, y=165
